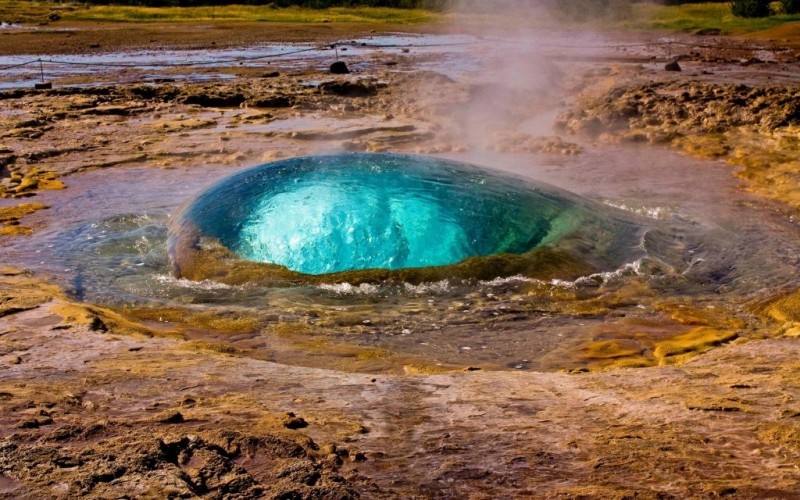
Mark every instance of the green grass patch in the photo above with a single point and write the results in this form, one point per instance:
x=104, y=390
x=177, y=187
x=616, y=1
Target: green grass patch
x=22, y=11
x=642, y=16
x=693, y=17
x=637, y=16
x=34, y=11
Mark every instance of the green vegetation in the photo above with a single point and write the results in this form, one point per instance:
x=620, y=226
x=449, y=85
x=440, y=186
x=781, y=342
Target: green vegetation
x=309, y=4
x=750, y=8
x=42, y=11
x=701, y=16
x=790, y=6
x=118, y=13
x=25, y=11
x=603, y=13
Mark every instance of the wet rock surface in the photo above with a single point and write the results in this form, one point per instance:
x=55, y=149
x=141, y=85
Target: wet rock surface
x=685, y=108
x=94, y=413
x=750, y=126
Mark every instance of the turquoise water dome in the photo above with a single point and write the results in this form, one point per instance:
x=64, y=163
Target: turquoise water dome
x=330, y=214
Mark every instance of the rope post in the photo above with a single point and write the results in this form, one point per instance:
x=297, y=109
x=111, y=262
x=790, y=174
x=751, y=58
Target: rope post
x=43, y=85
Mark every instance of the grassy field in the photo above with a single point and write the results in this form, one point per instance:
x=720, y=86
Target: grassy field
x=687, y=17
x=692, y=17
x=37, y=11
x=251, y=13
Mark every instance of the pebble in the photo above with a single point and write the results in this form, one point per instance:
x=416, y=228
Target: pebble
x=12, y=359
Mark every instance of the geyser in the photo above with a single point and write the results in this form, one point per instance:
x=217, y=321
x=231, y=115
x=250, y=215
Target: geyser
x=328, y=215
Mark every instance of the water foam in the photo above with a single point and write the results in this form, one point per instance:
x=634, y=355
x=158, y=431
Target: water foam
x=166, y=279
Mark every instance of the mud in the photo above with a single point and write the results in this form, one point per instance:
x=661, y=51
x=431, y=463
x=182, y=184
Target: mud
x=134, y=401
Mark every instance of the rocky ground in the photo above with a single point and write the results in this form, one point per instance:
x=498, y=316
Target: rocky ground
x=100, y=404
x=87, y=411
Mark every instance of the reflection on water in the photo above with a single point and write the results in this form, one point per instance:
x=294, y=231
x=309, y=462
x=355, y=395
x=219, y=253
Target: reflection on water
x=707, y=244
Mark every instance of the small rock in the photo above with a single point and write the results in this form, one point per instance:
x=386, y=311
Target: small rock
x=170, y=417
x=327, y=449
x=272, y=102
x=271, y=74
x=12, y=359
x=672, y=66
x=66, y=462
x=361, y=88
x=294, y=422
x=750, y=61
x=108, y=110
x=339, y=68
x=188, y=402
x=34, y=422
x=97, y=325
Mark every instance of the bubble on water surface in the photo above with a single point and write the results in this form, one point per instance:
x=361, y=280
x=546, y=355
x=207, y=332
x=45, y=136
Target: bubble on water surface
x=385, y=216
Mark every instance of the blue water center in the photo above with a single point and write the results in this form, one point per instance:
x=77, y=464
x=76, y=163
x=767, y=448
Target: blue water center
x=326, y=214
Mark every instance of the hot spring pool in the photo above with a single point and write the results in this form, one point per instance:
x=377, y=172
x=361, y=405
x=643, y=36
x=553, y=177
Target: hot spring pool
x=321, y=216
x=586, y=273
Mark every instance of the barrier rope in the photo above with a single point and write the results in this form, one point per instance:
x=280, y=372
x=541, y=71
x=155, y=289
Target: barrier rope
x=373, y=46
x=18, y=65
x=158, y=64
